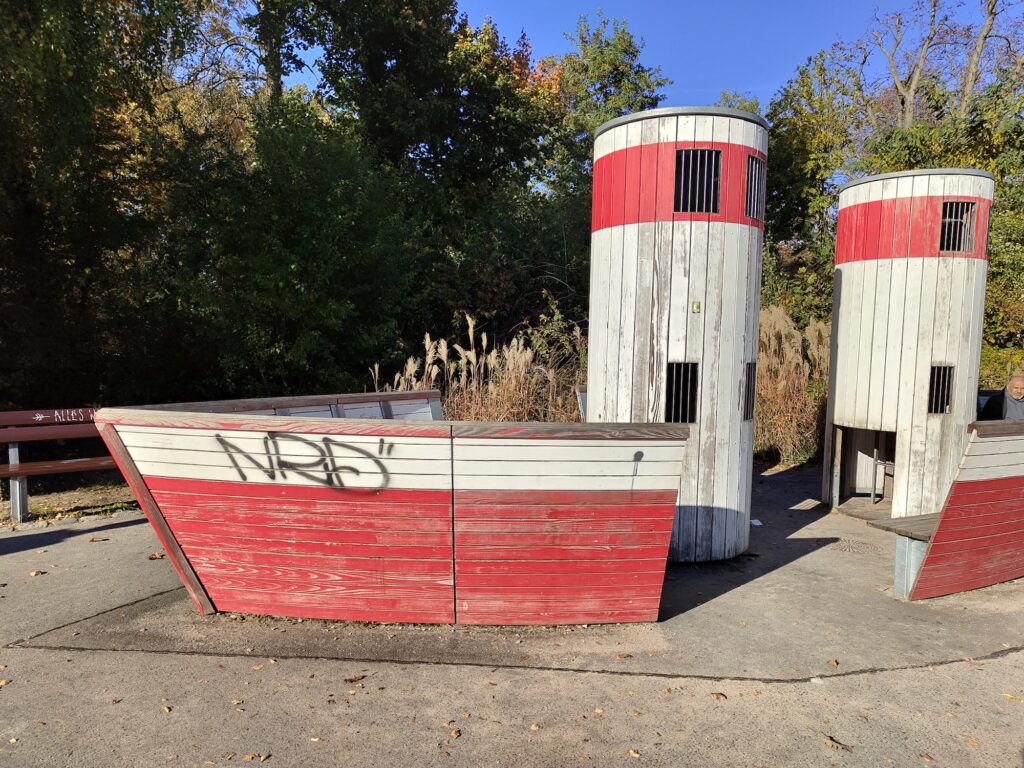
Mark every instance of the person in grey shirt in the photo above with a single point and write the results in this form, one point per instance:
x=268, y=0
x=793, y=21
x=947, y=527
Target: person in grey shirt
x=1007, y=404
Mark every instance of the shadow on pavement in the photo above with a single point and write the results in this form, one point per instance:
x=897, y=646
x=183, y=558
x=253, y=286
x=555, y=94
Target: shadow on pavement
x=51, y=536
x=780, y=504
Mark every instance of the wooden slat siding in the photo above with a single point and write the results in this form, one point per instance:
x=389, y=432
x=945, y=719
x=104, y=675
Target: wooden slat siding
x=528, y=552
x=364, y=536
x=152, y=511
x=36, y=468
x=298, y=402
x=920, y=527
x=919, y=215
x=600, y=250
x=662, y=292
x=617, y=173
x=686, y=336
x=617, y=266
x=135, y=418
x=979, y=540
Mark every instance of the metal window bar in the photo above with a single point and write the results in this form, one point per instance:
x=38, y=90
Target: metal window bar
x=755, y=187
x=956, y=234
x=698, y=180
x=682, y=382
x=750, y=386
x=940, y=389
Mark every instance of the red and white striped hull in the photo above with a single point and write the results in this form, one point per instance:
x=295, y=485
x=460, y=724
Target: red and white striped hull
x=407, y=522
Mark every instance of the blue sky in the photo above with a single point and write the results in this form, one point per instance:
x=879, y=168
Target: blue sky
x=750, y=46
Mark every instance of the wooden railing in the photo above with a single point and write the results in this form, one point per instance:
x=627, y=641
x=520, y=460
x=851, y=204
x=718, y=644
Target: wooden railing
x=18, y=427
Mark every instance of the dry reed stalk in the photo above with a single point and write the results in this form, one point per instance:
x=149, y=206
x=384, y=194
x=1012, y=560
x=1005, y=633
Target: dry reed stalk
x=792, y=375
x=507, y=383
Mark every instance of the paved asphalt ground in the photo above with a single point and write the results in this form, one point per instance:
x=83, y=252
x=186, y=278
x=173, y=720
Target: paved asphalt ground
x=794, y=655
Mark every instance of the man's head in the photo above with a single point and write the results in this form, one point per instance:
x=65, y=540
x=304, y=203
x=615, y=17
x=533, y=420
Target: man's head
x=1015, y=388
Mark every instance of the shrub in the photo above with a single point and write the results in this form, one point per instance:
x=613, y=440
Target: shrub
x=531, y=378
x=792, y=386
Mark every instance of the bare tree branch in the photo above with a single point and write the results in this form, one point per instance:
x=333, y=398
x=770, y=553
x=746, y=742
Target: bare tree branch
x=972, y=70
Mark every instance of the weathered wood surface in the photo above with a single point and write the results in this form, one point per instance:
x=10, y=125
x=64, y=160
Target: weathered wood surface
x=60, y=466
x=294, y=517
x=679, y=287
x=919, y=527
x=979, y=540
x=901, y=308
x=301, y=402
x=46, y=417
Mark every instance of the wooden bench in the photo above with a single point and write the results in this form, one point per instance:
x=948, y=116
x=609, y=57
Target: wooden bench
x=47, y=424
x=977, y=539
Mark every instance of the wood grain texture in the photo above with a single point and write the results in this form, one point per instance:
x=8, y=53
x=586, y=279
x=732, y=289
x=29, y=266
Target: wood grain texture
x=152, y=511
x=62, y=466
x=298, y=403
x=55, y=432
x=979, y=539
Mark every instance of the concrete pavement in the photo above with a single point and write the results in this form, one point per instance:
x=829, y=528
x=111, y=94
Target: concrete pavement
x=795, y=655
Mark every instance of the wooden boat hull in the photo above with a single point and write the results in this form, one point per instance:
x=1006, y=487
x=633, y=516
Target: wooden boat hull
x=403, y=521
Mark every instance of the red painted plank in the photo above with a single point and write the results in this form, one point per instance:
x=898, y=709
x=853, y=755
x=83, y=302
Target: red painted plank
x=564, y=616
x=536, y=513
x=567, y=540
x=549, y=498
x=967, y=581
x=966, y=492
x=622, y=178
x=511, y=594
x=221, y=541
x=371, y=509
x=588, y=566
x=292, y=493
x=397, y=539
x=618, y=525
x=595, y=552
x=309, y=609
x=989, y=544
x=945, y=534
x=901, y=228
x=347, y=593
x=377, y=566
x=966, y=515
x=64, y=466
x=288, y=520
x=652, y=578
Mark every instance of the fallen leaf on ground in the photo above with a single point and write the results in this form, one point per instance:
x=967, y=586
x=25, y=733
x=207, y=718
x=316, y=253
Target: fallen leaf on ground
x=466, y=714
x=157, y=556
x=969, y=741
x=167, y=708
x=534, y=727
x=272, y=661
x=354, y=678
x=927, y=758
x=14, y=741
x=40, y=551
x=1007, y=696
x=116, y=701
x=719, y=695
x=228, y=755
x=4, y=682
x=455, y=733
x=832, y=743
x=833, y=662
x=598, y=711
x=98, y=538
x=37, y=573
x=624, y=656
x=634, y=753
x=314, y=738
x=236, y=702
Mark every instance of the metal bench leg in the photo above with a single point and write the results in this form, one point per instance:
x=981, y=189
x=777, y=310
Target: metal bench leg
x=19, y=487
x=909, y=556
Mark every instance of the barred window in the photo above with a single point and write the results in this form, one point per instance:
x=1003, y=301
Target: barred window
x=940, y=389
x=749, y=388
x=698, y=180
x=957, y=231
x=755, y=188
x=681, y=393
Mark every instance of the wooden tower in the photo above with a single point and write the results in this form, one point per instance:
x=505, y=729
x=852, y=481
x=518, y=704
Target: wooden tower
x=906, y=336
x=677, y=223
